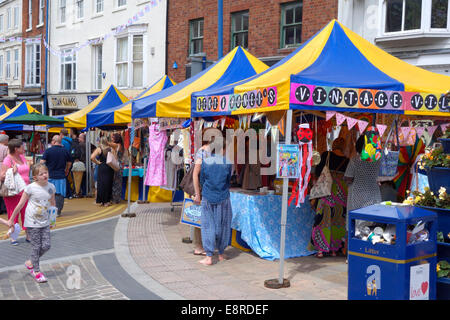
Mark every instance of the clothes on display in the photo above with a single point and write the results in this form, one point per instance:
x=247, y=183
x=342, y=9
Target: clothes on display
x=156, y=171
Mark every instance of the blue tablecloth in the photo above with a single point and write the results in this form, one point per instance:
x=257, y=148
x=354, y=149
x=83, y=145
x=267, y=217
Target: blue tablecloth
x=258, y=217
x=135, y=172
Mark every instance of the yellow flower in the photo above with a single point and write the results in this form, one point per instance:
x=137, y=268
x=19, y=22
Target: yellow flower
x=426, y=189
x=438, y=267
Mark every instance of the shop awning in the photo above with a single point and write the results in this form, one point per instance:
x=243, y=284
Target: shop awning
x=121, y=114
x=175, y=102
x=21, y=109
x=335, y=70
x=111, y=97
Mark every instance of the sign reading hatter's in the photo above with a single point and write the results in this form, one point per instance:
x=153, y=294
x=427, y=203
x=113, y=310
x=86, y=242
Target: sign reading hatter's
x=312, y=95
x=260, y=98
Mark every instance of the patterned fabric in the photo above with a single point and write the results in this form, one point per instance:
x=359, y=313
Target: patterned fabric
x=258, y=217
x=364, y=191
x=40, y=244
x=216, y=225
x=117, y=180
x=329, y=225
x=156, y=173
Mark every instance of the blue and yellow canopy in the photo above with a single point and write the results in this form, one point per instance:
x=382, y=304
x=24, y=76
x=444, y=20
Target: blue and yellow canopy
x=3, y=109
x=111, y=97
x=21, y=109
x=335, y=70
x=175, y=102
x=121, y=114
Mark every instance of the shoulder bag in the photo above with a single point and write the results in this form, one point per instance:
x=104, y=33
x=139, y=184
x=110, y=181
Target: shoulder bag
x=111, y=161
x=389, y=158
x=322, y=187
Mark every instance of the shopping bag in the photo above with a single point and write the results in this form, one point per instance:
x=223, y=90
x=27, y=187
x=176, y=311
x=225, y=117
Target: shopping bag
x=52, y=213
x=389, y=158
x=111, y=161
x=322, y=187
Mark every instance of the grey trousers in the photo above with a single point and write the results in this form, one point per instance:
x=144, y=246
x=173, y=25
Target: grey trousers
x=40, y=244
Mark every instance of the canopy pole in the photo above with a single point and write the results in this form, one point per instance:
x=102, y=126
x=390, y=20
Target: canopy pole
x=88, y=164
x=129, y=214
x=281, y=282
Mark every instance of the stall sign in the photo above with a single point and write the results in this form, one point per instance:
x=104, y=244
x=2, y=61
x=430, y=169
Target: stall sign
x=420, y=282
x=260, y=98
x=287, y=161
x=312, y=95
x=171, y=123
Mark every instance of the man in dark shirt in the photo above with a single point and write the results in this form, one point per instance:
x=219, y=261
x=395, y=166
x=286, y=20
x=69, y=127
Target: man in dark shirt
x=58, y=162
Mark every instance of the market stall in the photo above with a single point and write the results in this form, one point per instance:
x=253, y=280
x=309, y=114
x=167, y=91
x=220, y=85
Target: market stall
x=335, y=71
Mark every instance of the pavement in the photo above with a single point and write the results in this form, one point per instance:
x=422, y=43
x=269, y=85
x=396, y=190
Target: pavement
x=102, y=255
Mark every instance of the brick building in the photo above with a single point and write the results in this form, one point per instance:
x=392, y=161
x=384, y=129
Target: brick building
x=270, y=30
x=33, y=53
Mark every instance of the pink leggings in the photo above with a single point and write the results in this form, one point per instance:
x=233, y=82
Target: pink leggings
x=11, y=203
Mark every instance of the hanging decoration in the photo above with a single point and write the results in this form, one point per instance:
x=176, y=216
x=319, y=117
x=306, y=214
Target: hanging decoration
x=305, y=135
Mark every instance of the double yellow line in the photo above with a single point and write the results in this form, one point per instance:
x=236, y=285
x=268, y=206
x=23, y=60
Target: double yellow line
x=109, y=211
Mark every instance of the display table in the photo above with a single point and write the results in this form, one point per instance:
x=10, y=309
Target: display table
x=152, y=194
x=258, y=217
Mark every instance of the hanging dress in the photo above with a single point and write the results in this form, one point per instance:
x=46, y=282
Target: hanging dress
x=156, y=171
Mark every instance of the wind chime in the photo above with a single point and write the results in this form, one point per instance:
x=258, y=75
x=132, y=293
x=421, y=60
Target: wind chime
x=304, y=135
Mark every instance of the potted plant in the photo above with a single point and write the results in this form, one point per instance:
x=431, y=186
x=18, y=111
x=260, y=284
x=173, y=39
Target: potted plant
x=437, y=164
x=445, y=140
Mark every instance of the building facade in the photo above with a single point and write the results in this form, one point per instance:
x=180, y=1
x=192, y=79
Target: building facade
x=416, y=31
x=10, y=51
x=33, y=58
x=130, y=57
x=270, y=30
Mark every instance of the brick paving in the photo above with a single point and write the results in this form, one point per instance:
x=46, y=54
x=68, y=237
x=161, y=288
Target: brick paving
x=154, y=240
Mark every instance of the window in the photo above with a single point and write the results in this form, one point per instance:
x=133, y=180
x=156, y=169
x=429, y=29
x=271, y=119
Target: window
x=80, y=8
x=16, y=17
x=239, y=29
x=291, y=24
x=1, y=66
x=33, y=64
x=122, y=62
x=62, y=11
x=8, y=64
x=138, y=60
x=68, y=71
x=98, y=6
x=121, y=3
x=403, y=15
x=439, y=14
x=8, y=19
x=30, y=14
x=16, y=63
x=98, y=54
x=195, y=36
x=130, y=61
x=1, y=22
x=41, y=11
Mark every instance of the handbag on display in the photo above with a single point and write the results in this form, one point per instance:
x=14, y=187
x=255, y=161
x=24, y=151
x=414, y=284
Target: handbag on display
x=389, y=158
x=372, y=145
x=112, y=161
x=322, y=187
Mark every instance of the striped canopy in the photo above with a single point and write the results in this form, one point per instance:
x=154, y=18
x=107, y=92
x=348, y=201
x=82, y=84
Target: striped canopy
x=121, y=114
x=111, y=97
x=175, y=102
x=335, y=70
x=3, y=109
x=21, y=109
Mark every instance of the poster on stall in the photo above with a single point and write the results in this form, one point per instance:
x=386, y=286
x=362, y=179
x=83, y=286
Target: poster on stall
x=191, y=213
x=287, y=161
x=420, y=282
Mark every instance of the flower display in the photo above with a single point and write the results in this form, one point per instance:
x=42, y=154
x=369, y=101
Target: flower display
x=428, y=198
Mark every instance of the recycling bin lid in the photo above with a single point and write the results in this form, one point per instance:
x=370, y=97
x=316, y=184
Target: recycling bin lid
x=392, y=213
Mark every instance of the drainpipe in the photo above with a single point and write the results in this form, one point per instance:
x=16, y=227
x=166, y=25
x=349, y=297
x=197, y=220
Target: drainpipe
x=219, y=29
x=167, y=37
x=45, y=111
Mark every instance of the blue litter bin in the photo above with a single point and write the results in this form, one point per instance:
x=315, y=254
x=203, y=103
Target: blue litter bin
x=395, y=269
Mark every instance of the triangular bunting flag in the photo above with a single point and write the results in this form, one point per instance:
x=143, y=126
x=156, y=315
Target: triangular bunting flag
x=381, y=128
x=405, y=131
x=274, y=131
x=330, y=114
x=431, y=130
x=444, y=127
x=420, y=131
x=362, y=125
x=340, y=118
x=240, y=122
x=222, y=122
x=216, y=123
x=257, y=116
x=267, y=129
x=351, y=122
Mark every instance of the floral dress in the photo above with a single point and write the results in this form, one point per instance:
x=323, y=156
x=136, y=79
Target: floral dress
x=117, y=180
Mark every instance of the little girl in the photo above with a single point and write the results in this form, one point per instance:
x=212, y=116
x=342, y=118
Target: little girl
x=40, y=195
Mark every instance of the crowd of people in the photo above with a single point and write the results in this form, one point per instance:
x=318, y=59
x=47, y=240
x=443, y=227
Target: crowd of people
x=30, y=189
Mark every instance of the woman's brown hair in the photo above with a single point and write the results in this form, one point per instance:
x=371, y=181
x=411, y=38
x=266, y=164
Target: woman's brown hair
x=13, y=144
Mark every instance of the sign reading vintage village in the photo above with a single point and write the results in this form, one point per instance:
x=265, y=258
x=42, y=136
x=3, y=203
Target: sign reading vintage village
x=312, y=95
